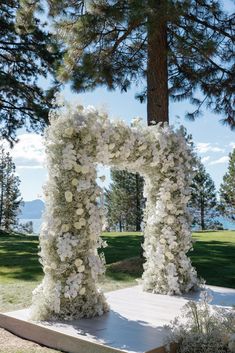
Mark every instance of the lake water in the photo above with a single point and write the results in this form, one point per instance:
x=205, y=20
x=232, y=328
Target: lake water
x=37, y=224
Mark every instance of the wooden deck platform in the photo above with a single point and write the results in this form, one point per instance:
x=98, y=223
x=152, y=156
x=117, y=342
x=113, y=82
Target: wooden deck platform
x=135, y=323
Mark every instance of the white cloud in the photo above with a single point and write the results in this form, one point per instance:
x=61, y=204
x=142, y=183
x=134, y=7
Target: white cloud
x=204, y=147
x=206, y=159
x=29, y=152
x=221, y=160
x=30, y=167
x=232, y=144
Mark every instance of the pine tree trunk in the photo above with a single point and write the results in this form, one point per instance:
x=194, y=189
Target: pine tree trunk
x=157, y=72
x=120, y=226
x=1, y=202
x=138, y=220
x=202, y=216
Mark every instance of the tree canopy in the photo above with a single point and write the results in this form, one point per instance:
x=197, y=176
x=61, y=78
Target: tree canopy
x=24, y=58
x=181, y=49
x=203, y=203
x=124, y=200
x=10, y=198
x=227, y=190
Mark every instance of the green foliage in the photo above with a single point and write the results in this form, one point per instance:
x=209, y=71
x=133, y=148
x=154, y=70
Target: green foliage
x=26, y=227
x=124, y=200
x=9, y=191
x=107, y=43
x=203, y=203
x=227, y=190
x=24, y=58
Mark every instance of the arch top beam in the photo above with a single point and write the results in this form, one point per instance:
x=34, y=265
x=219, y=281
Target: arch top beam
x=71, y=234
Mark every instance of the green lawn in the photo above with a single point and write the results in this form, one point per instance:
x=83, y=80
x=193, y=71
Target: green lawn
x=214, y=257
x=20, y=271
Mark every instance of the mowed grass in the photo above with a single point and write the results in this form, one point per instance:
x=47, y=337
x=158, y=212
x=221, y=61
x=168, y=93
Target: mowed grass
x=214, y=257
x=20, y=270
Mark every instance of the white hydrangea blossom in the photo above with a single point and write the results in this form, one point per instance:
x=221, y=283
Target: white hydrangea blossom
x=65, y=246
x=75, y=142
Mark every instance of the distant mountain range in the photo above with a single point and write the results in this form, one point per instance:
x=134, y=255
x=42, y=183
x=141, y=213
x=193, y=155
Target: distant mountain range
x=32, y=209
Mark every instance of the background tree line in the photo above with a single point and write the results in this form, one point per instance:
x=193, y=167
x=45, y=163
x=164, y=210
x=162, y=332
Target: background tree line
x=10, y=198
x=124, y=199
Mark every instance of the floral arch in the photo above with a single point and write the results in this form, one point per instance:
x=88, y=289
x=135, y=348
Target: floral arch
x=75, y=142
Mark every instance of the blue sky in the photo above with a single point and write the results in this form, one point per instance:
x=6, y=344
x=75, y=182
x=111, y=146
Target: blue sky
x=213, y=140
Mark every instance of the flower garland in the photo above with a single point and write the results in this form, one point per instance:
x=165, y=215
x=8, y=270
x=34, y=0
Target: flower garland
x=75, y=142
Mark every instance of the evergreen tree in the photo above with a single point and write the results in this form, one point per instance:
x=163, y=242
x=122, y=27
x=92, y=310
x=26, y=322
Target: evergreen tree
x=10, y=199
x=179, y=47
x=26, y=227
x=124, y=200
x=203, y=203
x=227, y=190
x=23, y=60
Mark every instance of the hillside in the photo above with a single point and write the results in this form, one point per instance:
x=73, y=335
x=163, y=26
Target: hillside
x=32, y=209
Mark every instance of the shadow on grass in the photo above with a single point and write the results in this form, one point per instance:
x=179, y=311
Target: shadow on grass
x=214, y=260
x=125, y=270
x=122, y=247
x=19, y=258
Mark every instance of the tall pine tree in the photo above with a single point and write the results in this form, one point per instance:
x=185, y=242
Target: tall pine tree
x=178, y=47
x=10, y=199
x=23, y=60
x=124, y=200
x=227, y=190
x=203, y=203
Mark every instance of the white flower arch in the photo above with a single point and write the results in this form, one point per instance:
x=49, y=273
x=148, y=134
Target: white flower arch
x=75, y=142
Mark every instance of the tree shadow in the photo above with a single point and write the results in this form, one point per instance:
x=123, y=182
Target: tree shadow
x=114, y=330
x=19, y=259
x=215, y=262
x=121, y=247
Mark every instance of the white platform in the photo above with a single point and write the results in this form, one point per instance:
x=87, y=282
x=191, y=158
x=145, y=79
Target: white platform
x=134, y=324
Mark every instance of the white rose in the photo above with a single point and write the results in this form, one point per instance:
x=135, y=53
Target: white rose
x=81, y=268
x=79, y=211
x=170, y=220
x=169, y=255
x=75, y=182
x=77, y=225
x=78, y=262
x=64, y=228
x=142, y=147
x=69, y=131
x=85, y=169
x=111, y=146
x=82, y=221
x=77, y=168
x=82, y=291
x=68, y=196
x=53, y=265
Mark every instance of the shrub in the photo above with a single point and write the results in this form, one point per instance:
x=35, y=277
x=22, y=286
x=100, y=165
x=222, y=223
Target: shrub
x=203, y=328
